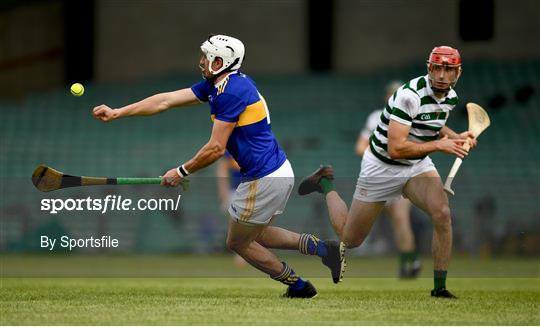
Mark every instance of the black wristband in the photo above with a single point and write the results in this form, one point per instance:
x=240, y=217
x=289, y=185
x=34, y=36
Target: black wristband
x=182, y=171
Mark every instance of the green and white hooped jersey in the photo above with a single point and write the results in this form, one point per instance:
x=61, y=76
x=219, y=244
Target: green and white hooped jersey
x=413, y=104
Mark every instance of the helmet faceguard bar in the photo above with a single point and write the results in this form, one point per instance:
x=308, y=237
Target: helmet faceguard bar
x=443, y=64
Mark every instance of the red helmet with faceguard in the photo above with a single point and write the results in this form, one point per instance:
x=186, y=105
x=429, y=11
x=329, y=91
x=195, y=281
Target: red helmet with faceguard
x=445, y=56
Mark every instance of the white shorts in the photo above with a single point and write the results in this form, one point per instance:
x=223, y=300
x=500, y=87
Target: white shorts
x=256, y=202
x=379, y=181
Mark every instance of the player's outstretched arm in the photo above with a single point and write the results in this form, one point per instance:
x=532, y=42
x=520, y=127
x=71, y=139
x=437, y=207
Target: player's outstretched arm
x=399, y=147
x=149, y=106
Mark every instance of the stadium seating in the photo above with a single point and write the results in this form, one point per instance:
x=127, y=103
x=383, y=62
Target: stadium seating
x=316, y=119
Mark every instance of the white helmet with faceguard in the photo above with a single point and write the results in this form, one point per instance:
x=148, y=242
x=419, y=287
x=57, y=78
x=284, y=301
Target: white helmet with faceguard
x=229, y=49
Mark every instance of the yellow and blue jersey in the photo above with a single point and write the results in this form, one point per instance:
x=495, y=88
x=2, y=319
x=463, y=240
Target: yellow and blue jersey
x=252, y=144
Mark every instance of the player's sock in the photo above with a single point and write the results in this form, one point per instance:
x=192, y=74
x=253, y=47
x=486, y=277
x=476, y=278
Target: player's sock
x=289, y=277
x=403, y=259
x=439, y=277
x=407, y=257
x=327, y=185
x=413, y=256
x=310, y=244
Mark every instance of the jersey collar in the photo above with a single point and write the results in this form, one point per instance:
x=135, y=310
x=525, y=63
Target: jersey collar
x=218, y=84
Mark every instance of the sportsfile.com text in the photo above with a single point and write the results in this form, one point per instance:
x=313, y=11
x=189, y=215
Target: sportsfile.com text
x=109, y=203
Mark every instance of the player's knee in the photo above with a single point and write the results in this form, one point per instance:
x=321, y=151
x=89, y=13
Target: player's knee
x=441, y=216
x=234, y=245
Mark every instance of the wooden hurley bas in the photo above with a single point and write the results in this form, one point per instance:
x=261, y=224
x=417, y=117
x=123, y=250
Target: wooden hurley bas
x=478, y=122
x=48, y=179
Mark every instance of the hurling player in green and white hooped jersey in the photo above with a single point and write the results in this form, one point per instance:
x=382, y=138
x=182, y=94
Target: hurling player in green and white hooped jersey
x=399, y=210
x=241, y=125
x=412, y=125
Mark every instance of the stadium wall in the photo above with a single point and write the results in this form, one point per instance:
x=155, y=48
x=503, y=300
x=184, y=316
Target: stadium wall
x=31, y=48
x=373, y=35
x=156, y=37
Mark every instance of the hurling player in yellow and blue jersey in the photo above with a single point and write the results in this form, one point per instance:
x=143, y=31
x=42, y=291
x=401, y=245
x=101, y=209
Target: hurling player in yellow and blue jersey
x=241, y=125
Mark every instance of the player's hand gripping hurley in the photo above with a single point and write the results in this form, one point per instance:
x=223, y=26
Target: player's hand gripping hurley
x=478, y=122
x=47, y=179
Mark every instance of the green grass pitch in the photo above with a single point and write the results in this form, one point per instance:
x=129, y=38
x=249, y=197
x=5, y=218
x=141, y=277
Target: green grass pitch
x=253, y=299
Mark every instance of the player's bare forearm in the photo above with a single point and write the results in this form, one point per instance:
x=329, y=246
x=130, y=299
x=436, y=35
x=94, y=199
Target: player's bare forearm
x=206, y=156
x=149, y=106
x=214, y=149
x=410, y=150
x=158, y=103
x=467, y=135
x=146, y=107
x=447, y=131
x=399, y=147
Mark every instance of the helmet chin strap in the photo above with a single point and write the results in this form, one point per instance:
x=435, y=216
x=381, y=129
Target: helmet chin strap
x=210, y=79
x=214, y=75
x=436, y=89
x=221, y=71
